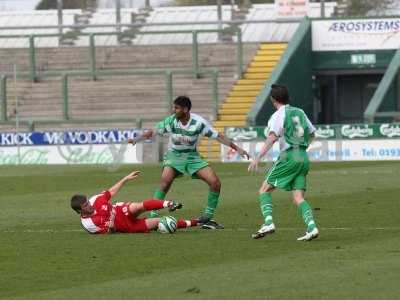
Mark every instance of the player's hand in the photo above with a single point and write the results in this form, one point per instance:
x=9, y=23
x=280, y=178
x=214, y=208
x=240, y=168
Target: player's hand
x=133, y=175
x=253, y=166
x=132, y=141
x=147, y=134
x=243, y=153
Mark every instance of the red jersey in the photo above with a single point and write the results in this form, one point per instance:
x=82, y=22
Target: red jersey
x=102, y=220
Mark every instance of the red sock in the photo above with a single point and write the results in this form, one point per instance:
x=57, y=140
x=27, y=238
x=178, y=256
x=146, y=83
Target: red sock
x=153, y=204
x=186, y=223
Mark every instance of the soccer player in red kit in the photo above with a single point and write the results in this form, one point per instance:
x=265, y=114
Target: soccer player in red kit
x=99, y=215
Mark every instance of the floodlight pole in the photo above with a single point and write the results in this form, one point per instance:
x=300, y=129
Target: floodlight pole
x=60, y=20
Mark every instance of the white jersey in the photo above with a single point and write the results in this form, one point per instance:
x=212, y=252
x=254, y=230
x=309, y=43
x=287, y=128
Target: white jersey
x=276, y=124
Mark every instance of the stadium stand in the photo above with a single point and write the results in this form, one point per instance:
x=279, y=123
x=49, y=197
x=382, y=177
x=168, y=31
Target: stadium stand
x=106, y=16
x=271, y=32
x=182, y=14
x=33, y=18
x=124, y=96
x=120, y=96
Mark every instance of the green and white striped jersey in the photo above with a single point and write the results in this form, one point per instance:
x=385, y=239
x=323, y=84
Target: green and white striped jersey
x=184, y=138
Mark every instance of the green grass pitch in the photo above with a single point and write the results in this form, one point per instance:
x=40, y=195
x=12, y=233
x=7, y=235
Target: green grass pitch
x=44, y=253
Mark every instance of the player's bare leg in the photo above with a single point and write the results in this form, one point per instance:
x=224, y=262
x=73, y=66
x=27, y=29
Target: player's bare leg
x=208, y=175
x=152, y=223
x=266, y=209
x=306, y=212
x=167, y=178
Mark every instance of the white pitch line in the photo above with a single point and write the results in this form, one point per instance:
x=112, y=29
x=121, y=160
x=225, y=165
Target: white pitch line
x=226, y=229
x=322, y=228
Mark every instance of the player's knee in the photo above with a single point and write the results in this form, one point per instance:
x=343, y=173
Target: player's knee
x=265, y=188
x=297, y=199
x=215, y=184
x=135, y=207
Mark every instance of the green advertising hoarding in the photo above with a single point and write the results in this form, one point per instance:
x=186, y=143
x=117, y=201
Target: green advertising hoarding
x=336, y=131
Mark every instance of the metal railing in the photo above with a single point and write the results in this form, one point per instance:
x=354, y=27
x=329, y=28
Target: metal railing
x=34, y=76
x=3, y=97
x=168, y=75
x=219, y=23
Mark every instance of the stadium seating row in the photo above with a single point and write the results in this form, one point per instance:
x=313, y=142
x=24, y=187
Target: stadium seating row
x=272, y=32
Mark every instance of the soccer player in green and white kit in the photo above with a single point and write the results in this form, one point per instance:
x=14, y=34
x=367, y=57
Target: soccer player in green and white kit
x=290, y=126
x=185, y=129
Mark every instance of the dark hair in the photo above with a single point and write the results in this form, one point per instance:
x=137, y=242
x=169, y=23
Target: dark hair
x=280, y=93
x=183, y=101
x=77, y=201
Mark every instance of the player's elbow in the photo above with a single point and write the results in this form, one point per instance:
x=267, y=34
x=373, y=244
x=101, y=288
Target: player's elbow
x=272, y=138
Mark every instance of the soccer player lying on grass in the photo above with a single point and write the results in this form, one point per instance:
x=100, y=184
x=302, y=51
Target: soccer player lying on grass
x=291, y=127
x=185, y=129
x=99, y=215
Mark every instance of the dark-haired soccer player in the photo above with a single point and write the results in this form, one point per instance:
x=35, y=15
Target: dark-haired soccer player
x=290, y=126
x=185, y=129
x=99, y=215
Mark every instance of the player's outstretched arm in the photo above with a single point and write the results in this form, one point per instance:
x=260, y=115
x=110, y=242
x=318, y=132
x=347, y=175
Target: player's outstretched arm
x=146, y=134
x=227, y=142
x=312, y=138
x=269, y=142
x=116, y=187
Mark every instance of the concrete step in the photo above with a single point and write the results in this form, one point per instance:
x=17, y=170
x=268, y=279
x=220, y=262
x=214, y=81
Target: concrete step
x=257, y=64
x=275, y=46
x=229, y=123
x=259, y=76
x=236, y=118
x=113, y=114
x=247, y=87
x=270, y=52
x=240, y=99
x=244, y=93
x=248, y=81
x=232, y=105
x=233, y=111
x=266, y=58
x=261, y=69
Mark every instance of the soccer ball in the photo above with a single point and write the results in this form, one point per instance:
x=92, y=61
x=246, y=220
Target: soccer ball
x=167, y=224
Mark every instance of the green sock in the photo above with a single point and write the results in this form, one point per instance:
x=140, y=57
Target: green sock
x=266, y=207
x=212, y=203
x=306, y=212
x=158, y=194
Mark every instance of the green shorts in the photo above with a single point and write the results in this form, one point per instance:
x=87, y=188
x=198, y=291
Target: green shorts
x=184, y=162
x=289, y=172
